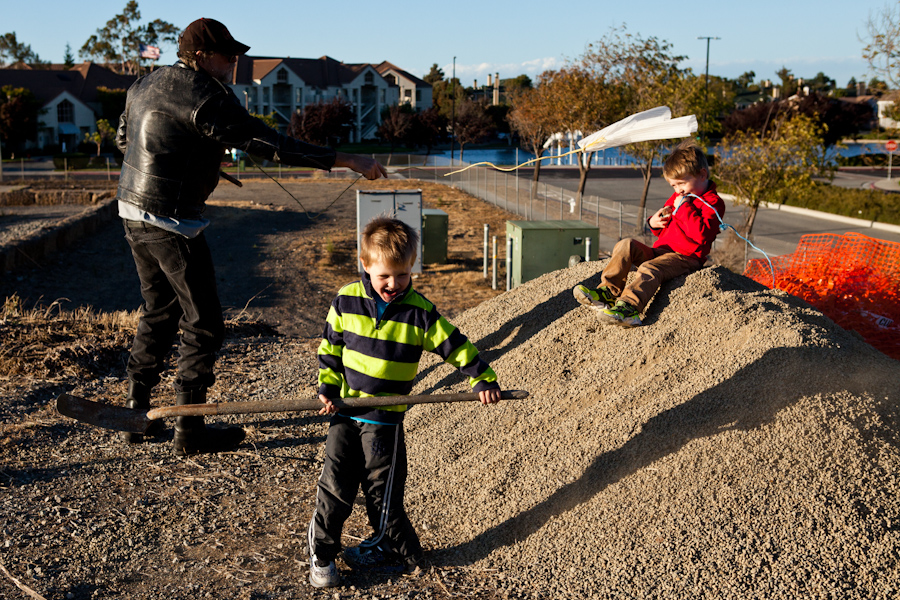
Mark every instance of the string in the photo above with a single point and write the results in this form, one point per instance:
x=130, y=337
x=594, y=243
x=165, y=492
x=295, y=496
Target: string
x=508, y=169
x=311, y=216
x=723, y=226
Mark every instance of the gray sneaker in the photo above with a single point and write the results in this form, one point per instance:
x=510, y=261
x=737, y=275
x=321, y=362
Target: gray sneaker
x=323, y=574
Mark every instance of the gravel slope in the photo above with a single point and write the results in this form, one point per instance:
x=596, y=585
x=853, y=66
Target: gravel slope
x=740, y=445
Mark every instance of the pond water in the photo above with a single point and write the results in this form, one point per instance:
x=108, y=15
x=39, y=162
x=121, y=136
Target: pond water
x=609, y=157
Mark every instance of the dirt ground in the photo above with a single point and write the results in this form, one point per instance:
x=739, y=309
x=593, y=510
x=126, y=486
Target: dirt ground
x=737, y=445
x=280, y=260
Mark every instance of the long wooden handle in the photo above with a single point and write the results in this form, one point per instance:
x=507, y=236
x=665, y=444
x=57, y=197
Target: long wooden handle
x=294, y=405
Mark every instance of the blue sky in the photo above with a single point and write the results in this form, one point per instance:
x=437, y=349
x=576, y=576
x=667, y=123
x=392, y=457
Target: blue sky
x=491, y=36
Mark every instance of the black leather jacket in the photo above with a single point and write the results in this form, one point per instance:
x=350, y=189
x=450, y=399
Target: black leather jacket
x=174, y=132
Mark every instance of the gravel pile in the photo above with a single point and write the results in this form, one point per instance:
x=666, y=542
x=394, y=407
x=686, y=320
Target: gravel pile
x=740, y=445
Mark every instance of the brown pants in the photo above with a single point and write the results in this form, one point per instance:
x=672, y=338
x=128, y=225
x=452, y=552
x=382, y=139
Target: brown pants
x=654, y=267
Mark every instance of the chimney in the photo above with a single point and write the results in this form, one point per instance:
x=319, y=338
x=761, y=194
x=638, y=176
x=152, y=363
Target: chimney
x=496, y=99
x=861, y=88
x=475, y=85
x=489, y=80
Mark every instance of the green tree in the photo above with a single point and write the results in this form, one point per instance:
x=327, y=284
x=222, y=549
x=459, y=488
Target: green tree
x=112, y=102
x=68, y=57
x=772, y=165
x=447, y=96
x=19, y=113
x=788, y=85
x=434, y=75
x=118, y=42
x=745, y=83
x=516, y=84
x=12, y=51
x=104, y=132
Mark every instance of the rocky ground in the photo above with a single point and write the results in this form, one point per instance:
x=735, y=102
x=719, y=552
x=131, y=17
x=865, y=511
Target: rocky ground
x=738, y=445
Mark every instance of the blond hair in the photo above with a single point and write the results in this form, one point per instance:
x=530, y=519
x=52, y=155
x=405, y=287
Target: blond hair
x=389, y=240
x=686, y=159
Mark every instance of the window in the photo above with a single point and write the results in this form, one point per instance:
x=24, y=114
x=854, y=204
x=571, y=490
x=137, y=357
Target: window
x=418, y=95
x=299, y=96
x=266, y=95
x=282, y=76
x=391, y=79
x=407, y=93
x=370, y=79
x=65, y=112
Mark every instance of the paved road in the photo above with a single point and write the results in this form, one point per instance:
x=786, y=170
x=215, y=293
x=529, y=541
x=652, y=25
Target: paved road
x=775, y=231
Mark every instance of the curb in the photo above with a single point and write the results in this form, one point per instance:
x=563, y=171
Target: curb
x=823, y=215
x=65, y=232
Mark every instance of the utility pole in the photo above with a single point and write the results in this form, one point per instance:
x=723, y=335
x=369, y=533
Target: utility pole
x=452, y=110
x=706, y=99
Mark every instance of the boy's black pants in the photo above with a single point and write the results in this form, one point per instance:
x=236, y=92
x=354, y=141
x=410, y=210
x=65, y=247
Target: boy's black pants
x=371, y=456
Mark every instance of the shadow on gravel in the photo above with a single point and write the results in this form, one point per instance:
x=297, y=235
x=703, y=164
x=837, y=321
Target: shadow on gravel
x=99, y=271
x=752, y=397
x=525, y=327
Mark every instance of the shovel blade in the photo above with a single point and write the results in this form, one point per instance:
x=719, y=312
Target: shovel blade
x=117, y=418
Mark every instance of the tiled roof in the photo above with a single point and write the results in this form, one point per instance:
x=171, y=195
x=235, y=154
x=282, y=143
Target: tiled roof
x=386, y=66
x=81, y=81
x=322, y=72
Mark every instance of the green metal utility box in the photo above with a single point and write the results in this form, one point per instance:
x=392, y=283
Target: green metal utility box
x=435, y=230
x=539, y=247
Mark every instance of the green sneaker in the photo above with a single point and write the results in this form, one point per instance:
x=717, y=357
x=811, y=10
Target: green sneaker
x=622, y=314
x=600, y=298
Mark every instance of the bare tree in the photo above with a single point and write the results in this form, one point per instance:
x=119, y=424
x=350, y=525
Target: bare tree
x=323, y=123
x=532, y=118
x=882, y=49
x=585, y=101
x=649, y=76
x=396, y=125
x=472, y=124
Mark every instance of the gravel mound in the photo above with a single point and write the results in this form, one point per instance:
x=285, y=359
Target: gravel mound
x=739, y=445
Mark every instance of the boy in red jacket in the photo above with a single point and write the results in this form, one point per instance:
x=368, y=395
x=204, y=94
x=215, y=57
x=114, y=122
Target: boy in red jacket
x=685, y=227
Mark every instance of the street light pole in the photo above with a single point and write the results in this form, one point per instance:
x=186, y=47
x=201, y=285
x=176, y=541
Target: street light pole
x=452, y=110
x=706, y=99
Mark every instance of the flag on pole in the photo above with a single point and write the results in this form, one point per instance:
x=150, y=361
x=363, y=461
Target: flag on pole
x=151, y=52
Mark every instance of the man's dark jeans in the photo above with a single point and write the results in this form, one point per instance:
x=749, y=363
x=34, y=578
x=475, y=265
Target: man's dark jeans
x=178, y=284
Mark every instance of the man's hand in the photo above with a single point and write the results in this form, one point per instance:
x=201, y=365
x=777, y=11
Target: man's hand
x=364, y=165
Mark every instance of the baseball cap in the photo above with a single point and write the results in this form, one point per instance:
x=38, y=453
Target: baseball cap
x=209, y=34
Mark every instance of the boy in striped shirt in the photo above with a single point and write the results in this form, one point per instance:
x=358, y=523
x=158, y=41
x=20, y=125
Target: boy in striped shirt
x=374, y=336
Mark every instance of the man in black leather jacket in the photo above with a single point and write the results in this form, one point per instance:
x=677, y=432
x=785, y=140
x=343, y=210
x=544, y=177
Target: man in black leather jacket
x=178, y=123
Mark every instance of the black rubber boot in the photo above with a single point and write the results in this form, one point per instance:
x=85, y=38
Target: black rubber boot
x=192, y=436
x=139, y=397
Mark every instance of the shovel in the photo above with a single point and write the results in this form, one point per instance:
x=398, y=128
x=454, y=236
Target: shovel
x=137, y=420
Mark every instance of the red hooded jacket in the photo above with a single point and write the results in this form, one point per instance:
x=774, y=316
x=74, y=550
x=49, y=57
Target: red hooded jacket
x=694, y=225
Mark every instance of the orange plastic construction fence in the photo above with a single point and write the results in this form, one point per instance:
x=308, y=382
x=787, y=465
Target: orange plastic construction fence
x=851, y=278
